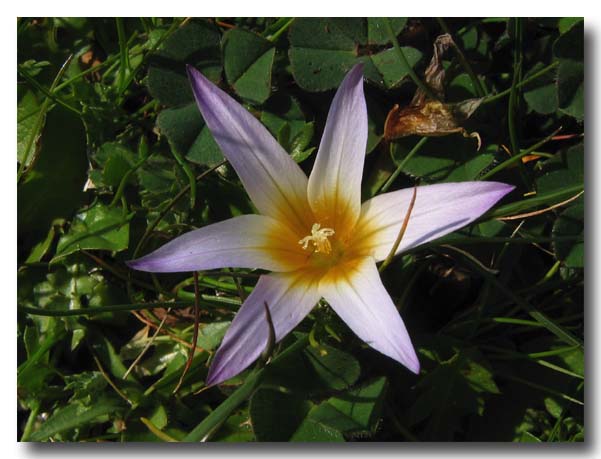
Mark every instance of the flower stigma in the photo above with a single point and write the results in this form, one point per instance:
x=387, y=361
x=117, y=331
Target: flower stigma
x=319, y=239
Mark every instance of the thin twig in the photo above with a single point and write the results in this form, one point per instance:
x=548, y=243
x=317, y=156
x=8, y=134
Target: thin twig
x=109, y=380
x=156, y=431
x=516, y=157
x=480, y=91
x=268, y=351
x=174, y=201
x=400, y=167
x=147, y=346
x=40, y=120
x=397, y=242
x=541, y=211
x=194, y=334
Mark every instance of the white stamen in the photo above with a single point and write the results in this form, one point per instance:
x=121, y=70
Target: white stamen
x=319, y=239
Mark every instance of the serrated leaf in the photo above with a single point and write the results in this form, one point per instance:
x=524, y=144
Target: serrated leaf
x=247, y=60
x=76, y=415
x=115, y=160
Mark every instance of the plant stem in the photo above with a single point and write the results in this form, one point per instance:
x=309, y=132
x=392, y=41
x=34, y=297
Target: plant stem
x=480, y=91
x=273, y=37
x=40, y=119
x=517, y=156
x=522, y=83
x=399, y=237
x=395, y=43
x=124, y=69
x=174, y=201
x=400, y=167
x=33, y=414
x=221, y=413
x=541, y=318
x=513, y=99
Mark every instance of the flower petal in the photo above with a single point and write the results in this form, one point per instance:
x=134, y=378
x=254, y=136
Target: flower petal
x=247, y=241
x=274, y=182
x=439, y=209
x=335, y=182
x=355, y=292
x=290, y=298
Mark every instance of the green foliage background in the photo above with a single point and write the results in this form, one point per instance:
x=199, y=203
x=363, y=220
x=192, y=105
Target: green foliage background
x=114, y=160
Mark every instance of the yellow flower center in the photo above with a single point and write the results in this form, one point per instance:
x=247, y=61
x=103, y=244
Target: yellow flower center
x=318, y=239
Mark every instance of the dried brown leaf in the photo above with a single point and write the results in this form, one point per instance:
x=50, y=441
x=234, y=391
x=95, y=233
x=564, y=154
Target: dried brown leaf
x=427, y=117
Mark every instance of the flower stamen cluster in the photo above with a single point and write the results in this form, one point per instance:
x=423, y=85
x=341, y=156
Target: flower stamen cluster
x=319, y=239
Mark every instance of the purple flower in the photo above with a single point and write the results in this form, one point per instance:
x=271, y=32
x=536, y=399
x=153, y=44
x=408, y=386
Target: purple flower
x=313, y=233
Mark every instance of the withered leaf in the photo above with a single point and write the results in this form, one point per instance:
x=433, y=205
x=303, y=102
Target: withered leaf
x=428, y=117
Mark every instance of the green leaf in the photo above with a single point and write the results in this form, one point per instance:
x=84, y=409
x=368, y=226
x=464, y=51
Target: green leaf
x=98, y=228
x=564, y=170
x=28, y=109
x=377, y=33
x=569, y=49
x=454, y=388
x=335, y=369
x=323, y=50
x=188, y=135
x=196, y=44
x=287, y=416
x=76, y=415
x=362, y=406
x=570, y=88
x=565, y=24
x=41, y=248
x=276, y=415
x=314, y=371
x=444, y=159
x=391, y=71
x=115, y=160
x=570, y=223
x=54, y=187
x=211, y=334
x=541, y=95
x=247, y=60
x=570, y=44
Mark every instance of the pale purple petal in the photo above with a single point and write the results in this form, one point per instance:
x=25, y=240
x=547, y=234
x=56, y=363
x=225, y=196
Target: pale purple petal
x=439, y=209
x=274, y=182
x=335, y=182
x=247, y=241
x=356, y=293
x=290, y=298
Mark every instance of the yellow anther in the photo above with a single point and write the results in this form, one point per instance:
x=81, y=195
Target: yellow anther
x=318, y=238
